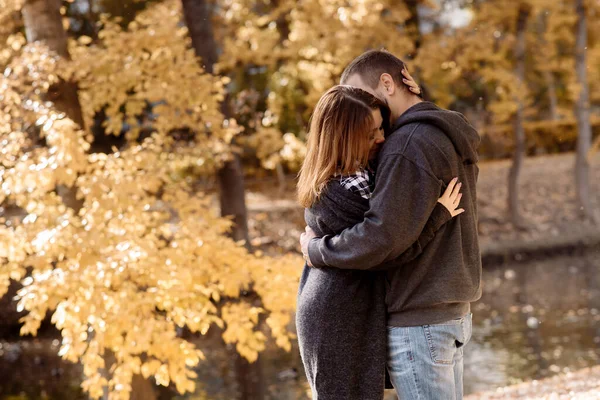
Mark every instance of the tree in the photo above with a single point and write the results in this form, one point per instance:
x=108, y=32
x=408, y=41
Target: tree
x=413, y=25
x=582, y=112
x=198, y=18
x=486, y=65
x=542, y=26
x=519, y=153
x=43, y=22
x=145, y=254
x=287, y=53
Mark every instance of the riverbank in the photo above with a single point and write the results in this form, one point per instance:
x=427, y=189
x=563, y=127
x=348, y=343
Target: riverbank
x=579, y=385
x=547, y=195
x=548, y=206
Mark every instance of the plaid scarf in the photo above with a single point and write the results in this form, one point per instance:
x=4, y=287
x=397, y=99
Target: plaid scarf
x=361, y=182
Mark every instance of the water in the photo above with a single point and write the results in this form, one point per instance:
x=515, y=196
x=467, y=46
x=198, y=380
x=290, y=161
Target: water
x=535, y=319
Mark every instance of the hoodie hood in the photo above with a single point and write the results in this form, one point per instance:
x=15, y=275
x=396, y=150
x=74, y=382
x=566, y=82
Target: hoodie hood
x=456, y=127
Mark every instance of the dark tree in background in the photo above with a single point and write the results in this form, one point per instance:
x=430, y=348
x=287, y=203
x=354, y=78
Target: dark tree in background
x=519, y=152
x=582, y=112
x=43, y=22
x=198, y=18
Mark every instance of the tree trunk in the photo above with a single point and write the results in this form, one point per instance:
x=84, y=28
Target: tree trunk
x=198, y=18
x=43, y=22
x=232, y=199
x=280, y=178
x=413, y=26
x=552, y=98
x=250, y=380
x=547, y=74
x=142, y=389
x=582, y=111
x=595, y=147
x=413, y=29
x=519, y=153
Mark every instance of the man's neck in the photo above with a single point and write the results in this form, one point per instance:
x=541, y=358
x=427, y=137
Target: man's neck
x=402, y=108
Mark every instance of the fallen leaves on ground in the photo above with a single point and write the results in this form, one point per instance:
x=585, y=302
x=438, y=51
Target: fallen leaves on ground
x=580, y=385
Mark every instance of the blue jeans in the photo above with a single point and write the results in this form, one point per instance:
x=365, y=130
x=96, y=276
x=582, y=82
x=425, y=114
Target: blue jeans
x=426, y=362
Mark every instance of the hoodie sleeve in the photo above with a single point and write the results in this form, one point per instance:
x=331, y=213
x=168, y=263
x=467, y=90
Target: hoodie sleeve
x=438, y=218
x=404, y=198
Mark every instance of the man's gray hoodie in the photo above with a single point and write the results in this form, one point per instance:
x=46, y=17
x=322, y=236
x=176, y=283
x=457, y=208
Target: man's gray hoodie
x=428, y=147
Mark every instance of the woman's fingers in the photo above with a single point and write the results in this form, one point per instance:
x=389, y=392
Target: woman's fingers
x=458, y=212
x=456, y=190
x=457, y=201
x=412, y=86
x=450, y=188
x=452, y=197
x=410, y=82
x=407, y=74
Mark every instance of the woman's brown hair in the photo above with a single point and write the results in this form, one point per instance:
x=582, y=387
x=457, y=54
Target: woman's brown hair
x=338, y=138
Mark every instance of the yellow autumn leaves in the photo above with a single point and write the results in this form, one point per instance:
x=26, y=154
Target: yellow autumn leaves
x=139, y=252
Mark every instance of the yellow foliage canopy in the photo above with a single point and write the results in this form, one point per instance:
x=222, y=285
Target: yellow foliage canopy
x=145, y=253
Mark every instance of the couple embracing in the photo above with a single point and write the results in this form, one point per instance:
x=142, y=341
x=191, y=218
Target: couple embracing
x=391, y=246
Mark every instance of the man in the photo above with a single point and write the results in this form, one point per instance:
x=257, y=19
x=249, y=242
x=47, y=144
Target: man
x=428, y=300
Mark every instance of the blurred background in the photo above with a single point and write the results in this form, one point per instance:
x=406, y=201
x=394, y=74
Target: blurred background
x=148, y=153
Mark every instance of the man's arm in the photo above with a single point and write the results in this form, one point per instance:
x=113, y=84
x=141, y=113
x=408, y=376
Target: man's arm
x=404, y=198
x=439, y=217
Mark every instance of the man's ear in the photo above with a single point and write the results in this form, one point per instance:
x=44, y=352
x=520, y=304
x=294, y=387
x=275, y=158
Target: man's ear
x=388, y=84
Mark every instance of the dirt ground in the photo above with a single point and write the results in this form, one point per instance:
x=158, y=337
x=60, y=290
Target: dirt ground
x=547, y=196
x=580, y=385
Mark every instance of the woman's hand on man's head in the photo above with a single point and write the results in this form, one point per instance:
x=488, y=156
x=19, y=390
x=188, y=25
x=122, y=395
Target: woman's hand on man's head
x=410, y=82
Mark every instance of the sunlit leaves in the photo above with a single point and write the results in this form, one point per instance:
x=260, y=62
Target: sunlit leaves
x=145, y=253
x=476, y=63
x=148, y=77
x=241, y=321
x=7, y=7
x=304, y=47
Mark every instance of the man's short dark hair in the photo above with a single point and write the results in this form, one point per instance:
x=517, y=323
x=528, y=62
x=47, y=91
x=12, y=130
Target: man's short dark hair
x=371, y=64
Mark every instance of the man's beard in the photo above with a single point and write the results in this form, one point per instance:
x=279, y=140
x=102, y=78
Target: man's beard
x=383, y=99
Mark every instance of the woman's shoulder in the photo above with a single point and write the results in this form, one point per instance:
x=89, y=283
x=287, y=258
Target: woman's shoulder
x=335, y=196
x=344, y=188
x=336, y=209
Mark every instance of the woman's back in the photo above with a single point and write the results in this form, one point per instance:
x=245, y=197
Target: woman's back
x=340, y=315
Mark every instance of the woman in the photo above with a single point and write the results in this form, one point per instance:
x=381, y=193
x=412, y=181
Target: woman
x=341, y=317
